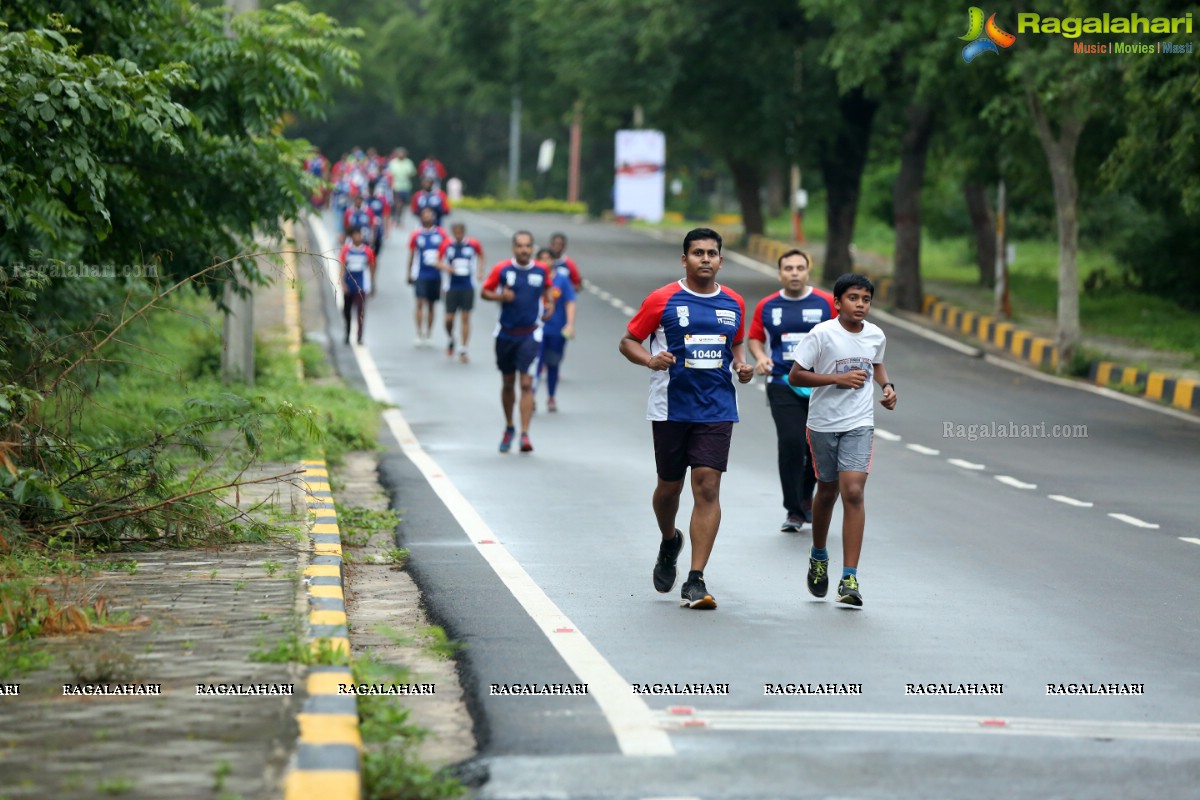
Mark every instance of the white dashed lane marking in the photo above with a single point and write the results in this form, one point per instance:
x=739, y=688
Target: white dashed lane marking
x=923, y=450
x=1191, y=539
x=1009, y=480
x=1071, y=501
x=887, y=436
x=1139, y=523
x=958, y=462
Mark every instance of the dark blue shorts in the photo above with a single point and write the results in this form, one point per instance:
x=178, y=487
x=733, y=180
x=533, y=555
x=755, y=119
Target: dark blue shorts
x=517, y=355
x=428, y=289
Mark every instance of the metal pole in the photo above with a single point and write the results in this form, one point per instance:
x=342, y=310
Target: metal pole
x=1003, y=308
x=514, y=143
x=573, y=158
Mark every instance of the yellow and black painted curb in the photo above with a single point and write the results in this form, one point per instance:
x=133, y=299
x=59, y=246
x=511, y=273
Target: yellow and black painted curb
x=327, y=765
x=1179, y=392
x=1025, y=345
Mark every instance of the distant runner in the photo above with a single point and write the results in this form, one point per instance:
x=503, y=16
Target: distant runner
x=357, y=279
x=522, y=287
x=462, y=260
x=424, y=274
x=558, y=329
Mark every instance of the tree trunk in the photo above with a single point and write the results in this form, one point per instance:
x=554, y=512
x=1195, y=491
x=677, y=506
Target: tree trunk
x=842, y=166
x=983, y=222
x=775, y=191
x=906, y=206
x=748, y=186
x=1060, y=154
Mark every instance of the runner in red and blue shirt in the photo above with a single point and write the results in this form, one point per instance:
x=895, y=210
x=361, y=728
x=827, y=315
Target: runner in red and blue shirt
x=559, y=327
x=522, y=287
x=424, y=274
x=779, y=322
x=695, y=331
x=461, y=258
x=359, y=217
x=563, y=262
x=379, y=200
x=433, y=198
x=358, y=280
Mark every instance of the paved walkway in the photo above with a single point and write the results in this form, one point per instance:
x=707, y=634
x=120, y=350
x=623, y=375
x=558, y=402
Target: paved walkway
x=194, y=618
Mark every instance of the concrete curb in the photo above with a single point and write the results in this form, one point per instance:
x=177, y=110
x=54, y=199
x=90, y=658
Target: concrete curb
x=1024, y=345
x=327, y=765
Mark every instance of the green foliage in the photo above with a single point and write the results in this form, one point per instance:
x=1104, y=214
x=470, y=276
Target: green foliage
x=545, y=205
x=145, y=134
x=359, y=524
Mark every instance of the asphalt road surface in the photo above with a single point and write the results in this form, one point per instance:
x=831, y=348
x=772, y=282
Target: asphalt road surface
x=1029, y=561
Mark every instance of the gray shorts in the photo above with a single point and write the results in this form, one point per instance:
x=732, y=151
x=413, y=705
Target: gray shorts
x=842, y=451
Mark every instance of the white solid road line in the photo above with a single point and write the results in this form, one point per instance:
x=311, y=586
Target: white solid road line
x=1008, y=480
x=1071, y=501
x=925, y=723
x=1191, y=539
x=1135, y=521
x=628, y=715
x=923, y=450
x=958, y=462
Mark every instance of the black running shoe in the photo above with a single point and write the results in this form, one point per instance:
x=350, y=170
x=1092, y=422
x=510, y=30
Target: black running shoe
x=848, y=591
x=664, y=567
x=792, y=524
x=695, y=595
x=818, y=577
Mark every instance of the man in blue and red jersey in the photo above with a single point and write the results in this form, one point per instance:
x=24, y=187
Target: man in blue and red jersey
x=780, y=321
x=563, y=262
x=462, y=260
x=379, y=200
x=359, y=217
x=424, y=275
x=358, y=280
x=695, y=331
x=559, y=327
x=432, y=198
x=523, y=288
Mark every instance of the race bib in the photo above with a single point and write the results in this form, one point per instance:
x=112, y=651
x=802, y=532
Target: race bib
x=429, y=258
x=704, y=351
x=462, y=266
x=790, y=341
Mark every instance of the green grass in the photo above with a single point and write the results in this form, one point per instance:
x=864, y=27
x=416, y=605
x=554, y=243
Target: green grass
x=177, y=359
x=390, y=766
x=947, y=265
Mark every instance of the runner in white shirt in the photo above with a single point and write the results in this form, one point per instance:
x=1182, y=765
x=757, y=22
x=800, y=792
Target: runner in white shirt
x=837, y=359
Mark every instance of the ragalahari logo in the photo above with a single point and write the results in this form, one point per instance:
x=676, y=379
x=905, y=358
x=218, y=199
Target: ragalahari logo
x=983, y=38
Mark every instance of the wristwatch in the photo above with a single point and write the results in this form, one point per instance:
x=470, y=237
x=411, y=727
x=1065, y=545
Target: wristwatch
x=889, y=383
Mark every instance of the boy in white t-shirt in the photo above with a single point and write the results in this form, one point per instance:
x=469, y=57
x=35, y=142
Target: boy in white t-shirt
x=837, y=359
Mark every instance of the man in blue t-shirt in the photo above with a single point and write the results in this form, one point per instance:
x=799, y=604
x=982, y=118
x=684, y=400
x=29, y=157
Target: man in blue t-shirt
x=558, y=328
x=778, y=325
x=523, y=288
x=695, y=331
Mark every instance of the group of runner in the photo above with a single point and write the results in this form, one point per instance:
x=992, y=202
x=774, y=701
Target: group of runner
x=816, y=349
x=819, y=351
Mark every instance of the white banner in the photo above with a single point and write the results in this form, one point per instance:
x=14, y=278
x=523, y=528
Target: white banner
x=641, y=160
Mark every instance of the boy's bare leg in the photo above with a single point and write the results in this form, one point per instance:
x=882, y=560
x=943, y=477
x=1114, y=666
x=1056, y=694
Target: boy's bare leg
x=854, y=515
x=822, y=511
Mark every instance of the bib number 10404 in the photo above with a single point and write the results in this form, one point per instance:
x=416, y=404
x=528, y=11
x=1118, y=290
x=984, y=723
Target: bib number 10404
x=704, y=351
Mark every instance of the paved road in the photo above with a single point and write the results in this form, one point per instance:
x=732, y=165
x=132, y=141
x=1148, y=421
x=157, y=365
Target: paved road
x=971, y=573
